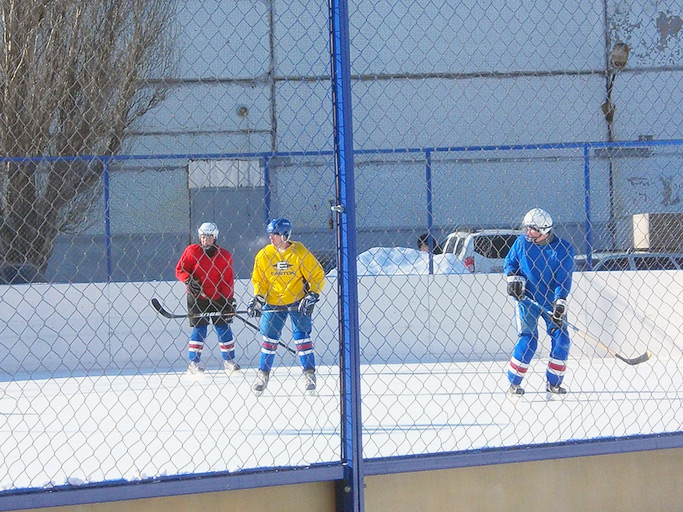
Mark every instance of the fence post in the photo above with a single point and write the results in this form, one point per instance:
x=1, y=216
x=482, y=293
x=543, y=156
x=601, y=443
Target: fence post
x=350, y=489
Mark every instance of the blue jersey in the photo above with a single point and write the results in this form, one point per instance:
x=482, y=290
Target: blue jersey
x=547, y=268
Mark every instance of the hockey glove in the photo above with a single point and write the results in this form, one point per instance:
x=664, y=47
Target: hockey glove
x=307, y=303
x=559, y=312
x=228, y=308
x=194, y=286
x=255, y=306
x=516, y=286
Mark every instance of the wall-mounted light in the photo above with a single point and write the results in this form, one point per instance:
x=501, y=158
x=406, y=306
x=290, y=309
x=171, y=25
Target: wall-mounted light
x=617, y=62
x=619, y=56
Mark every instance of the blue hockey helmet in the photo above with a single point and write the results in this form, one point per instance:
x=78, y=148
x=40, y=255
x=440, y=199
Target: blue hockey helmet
x=279, y=226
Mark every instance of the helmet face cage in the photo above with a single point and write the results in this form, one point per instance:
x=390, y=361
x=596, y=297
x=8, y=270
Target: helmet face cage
x=280, y=227
x=208, y=228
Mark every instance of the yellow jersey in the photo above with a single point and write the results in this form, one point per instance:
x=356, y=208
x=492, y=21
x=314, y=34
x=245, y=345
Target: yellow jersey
x=285, y=277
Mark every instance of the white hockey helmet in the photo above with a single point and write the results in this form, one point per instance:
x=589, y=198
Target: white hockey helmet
x=208, y=228
x=538, y=219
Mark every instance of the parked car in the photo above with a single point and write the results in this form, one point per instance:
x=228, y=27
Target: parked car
x=481, y=251
x=636, y=260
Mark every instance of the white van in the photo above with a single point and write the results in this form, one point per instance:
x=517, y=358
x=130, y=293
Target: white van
x=482, y=251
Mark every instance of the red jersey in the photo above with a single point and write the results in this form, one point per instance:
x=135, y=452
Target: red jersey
x=213, y=272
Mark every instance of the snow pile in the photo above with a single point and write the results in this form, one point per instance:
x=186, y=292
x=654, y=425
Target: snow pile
x=395, y=261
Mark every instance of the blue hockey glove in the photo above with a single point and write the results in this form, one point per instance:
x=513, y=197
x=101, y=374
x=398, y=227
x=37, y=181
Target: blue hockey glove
x=255, y=306
x=516, y=286
x=559, y=312
x=307, y=303
x=194, y=286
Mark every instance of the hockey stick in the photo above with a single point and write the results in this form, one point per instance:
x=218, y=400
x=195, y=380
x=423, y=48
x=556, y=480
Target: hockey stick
x=167, y=314
x=632, y=361
x=258, y=329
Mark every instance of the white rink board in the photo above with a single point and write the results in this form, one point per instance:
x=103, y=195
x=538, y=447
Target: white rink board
x=53, y=330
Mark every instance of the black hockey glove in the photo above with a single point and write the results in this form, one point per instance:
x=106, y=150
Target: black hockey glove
x=559, y=312
x=516, y=286
x=194, y=286
x=228, y=308
x=307, y=304
x=255, y=306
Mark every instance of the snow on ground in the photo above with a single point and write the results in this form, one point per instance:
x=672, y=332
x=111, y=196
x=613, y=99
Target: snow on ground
x=96, y=428
x=402, y=261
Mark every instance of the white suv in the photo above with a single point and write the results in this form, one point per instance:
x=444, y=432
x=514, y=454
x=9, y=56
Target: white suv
x=481, y=251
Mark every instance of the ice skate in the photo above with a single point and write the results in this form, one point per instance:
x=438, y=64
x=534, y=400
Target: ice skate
x=515, y=390
x=261, y=382
x=231, y=366
x=309, y=378
x=554, y=392
x=194, y=369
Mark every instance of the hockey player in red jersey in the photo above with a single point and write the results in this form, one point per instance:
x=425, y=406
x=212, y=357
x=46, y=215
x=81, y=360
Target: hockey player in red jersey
x=207, y=271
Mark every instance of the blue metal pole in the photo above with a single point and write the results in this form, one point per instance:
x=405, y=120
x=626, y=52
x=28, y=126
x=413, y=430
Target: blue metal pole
x=266, y=187
x=350, y=491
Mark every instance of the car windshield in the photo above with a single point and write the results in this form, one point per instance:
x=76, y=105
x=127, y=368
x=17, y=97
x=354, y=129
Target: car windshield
x=495, y=247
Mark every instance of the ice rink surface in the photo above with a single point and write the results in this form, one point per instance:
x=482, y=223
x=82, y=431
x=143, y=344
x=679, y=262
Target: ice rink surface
x=72, y=430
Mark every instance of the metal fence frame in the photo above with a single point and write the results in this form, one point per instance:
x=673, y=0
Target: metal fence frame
x=349, y=472
x=427, y=153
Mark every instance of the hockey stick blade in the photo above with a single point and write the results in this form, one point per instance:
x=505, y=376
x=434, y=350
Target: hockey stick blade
x=631, y=361
x=636, y=360
x=162, y=311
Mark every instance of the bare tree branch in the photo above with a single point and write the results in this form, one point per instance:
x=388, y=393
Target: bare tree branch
x=73, y=77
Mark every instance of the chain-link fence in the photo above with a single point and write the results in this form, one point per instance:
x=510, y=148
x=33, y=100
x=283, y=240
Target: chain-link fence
x=465, y=117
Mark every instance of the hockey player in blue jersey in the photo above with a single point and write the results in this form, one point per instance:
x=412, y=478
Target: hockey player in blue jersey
x=539, y=266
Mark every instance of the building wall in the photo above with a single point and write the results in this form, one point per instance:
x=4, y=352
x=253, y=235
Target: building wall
x=460, y=75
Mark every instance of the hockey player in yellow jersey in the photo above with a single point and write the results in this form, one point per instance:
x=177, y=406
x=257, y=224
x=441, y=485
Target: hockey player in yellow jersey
x=287, y=281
